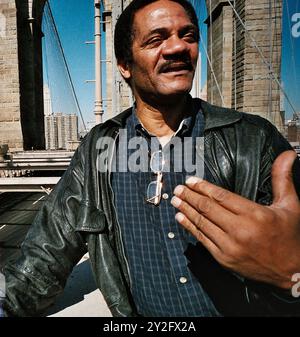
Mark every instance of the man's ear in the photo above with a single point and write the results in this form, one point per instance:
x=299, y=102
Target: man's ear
x=124, y=70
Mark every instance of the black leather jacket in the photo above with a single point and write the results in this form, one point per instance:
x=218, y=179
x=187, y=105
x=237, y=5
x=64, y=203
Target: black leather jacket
x=79, y=216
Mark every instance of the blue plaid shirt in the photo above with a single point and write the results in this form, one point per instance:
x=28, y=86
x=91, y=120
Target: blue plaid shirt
x=161, y=282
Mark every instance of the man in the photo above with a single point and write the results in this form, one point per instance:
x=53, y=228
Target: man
x=242, y=246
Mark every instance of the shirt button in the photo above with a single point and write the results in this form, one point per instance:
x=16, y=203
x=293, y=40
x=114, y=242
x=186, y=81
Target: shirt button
x=171, y=235
x=165, y=196
x=183, y=280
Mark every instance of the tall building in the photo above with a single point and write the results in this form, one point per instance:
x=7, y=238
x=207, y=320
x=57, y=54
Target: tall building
x=47, y=101
x=196, y=89
x=61, y=131
x=293, y=131
x=203, y=92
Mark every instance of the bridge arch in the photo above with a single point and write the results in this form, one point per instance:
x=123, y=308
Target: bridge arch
x=21, y=77
x=29, y=21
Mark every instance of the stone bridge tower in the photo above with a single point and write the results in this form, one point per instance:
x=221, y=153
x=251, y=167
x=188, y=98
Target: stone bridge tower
x=243, y=78
x=21, y=75
x=118, y=94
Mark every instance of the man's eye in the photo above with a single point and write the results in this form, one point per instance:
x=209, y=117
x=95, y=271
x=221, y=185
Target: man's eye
x=191, y=37
x=155, y=40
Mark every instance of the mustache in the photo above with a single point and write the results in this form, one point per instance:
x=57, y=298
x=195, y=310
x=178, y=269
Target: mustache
x=172, y=64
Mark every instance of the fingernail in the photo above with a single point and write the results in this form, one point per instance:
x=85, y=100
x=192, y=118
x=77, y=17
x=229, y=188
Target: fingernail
x=175, y=202
x=193, y=180
x=178, y=190
x=179, y=217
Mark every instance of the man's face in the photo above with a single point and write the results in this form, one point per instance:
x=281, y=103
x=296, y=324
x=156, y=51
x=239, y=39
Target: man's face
x=165, y=51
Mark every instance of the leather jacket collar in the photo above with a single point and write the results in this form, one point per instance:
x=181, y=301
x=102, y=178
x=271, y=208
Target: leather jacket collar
x=215, y=116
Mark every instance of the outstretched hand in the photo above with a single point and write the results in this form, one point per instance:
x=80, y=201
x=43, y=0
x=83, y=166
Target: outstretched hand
x=258, y=242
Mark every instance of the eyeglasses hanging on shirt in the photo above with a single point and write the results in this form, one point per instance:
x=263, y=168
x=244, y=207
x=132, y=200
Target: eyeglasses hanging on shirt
x=154, y=189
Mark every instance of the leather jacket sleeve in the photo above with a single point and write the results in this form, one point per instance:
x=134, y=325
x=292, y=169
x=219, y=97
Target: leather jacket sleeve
x=265, y=299
x=50, y=251
x=275, y=144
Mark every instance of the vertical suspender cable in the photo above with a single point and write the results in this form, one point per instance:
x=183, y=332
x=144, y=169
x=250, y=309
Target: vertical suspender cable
x=213, y=73
x=46, y=60
x=276, y=35
x=276, y=44
x=270, y=105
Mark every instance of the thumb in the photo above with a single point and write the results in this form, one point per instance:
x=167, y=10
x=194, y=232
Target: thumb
x=282, y=179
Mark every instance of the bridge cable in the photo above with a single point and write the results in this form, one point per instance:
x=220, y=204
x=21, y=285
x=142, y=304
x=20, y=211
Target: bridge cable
x=212, y=70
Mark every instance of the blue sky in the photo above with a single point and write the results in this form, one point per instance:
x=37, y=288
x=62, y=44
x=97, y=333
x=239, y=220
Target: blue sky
x=291, y=56
x=75, y=24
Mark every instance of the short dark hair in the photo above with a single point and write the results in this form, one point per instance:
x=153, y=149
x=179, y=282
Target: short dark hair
x=124, y=28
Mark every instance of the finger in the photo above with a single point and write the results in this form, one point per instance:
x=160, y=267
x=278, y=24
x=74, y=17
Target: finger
x=230, y=201
x=211, y=210
x=207, y=243
x=282, y=180
x=209, y=229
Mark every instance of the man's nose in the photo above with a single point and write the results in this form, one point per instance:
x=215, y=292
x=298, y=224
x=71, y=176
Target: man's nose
x=175, y=45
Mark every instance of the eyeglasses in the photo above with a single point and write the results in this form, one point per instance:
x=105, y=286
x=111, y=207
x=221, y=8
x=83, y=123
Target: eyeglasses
x=157, y=163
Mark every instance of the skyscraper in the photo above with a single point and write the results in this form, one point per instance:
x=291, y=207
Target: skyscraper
x=61, y=131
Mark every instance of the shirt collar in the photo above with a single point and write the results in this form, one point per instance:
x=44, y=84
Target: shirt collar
x=185, y=126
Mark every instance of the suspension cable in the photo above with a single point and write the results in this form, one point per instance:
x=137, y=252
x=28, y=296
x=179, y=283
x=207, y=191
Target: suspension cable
x=47, y=73
x=270, y=104
x=213, y=73
x=235, y=61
